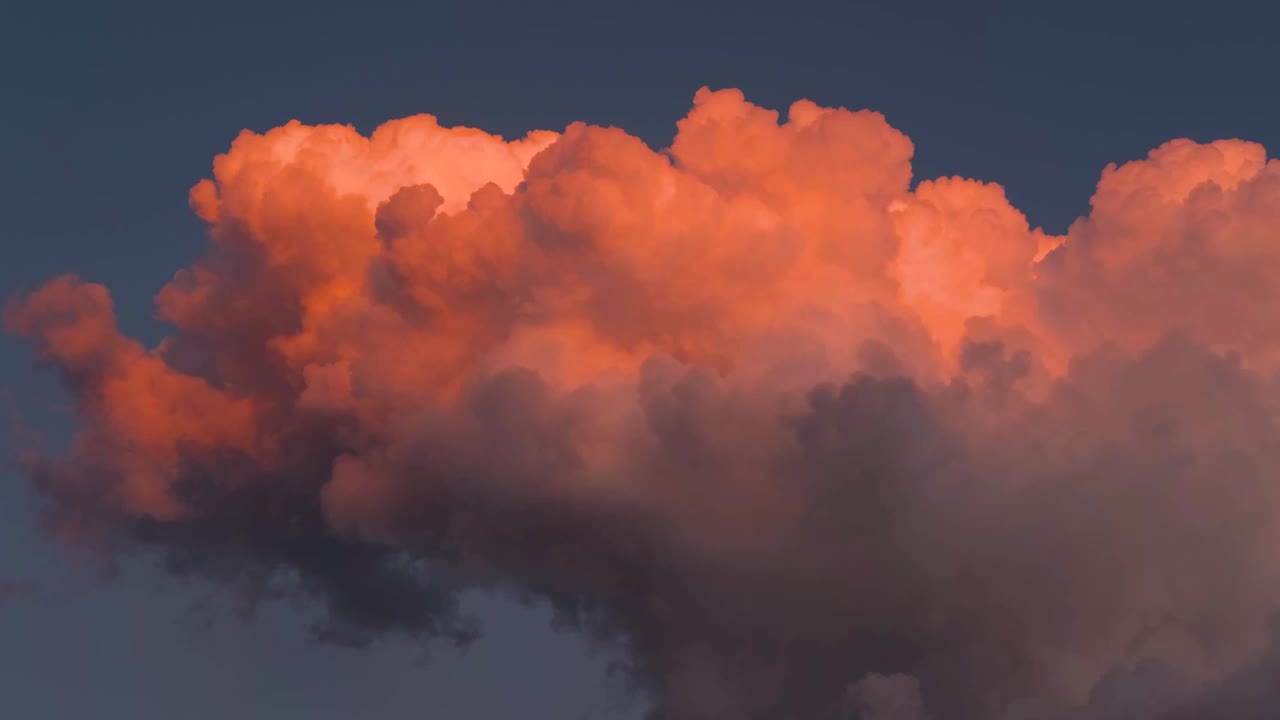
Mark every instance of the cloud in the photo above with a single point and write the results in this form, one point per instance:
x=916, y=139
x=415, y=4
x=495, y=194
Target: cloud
x=889, y=697
x=801, y=439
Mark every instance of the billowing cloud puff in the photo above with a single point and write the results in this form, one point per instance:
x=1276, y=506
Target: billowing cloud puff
x=803, y=440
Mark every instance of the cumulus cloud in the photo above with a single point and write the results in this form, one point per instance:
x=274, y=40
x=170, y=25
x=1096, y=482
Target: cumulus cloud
x=804, y=440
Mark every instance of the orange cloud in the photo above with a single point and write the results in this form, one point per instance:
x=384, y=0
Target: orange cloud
x=806, y=435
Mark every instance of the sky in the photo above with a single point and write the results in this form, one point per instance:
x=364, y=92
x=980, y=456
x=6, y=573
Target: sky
x=115, y=111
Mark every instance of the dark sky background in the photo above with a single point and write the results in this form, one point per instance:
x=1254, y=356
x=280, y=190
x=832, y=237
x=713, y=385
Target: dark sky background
x=111, y=113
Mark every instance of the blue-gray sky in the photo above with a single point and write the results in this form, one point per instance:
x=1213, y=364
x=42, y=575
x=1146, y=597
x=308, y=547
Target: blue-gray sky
x=113, y=111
